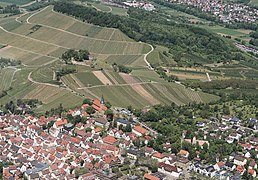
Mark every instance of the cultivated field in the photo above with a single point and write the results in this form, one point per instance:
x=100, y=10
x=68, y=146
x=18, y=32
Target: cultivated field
x=40, y=50
x=6, y=78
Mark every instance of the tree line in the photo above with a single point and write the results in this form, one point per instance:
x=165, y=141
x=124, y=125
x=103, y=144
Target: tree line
x=12, y=9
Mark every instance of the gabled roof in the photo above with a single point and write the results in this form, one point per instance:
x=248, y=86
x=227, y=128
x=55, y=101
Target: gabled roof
x=123, y=121
x=101, y=120
x=109, y=140
x=158, y=155
x=168, y=167
x=183, y=152
x=61, y=122
x=251, y=171
x=150, y=177
x=140, y=129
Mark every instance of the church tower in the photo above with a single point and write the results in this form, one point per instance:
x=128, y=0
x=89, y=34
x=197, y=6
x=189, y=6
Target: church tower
x=102, y=101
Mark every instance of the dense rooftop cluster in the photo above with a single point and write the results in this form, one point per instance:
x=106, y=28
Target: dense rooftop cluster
x=227, y=12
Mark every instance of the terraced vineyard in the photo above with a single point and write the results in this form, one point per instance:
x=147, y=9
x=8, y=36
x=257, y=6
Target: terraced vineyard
x=40, y=49
x=6, y=77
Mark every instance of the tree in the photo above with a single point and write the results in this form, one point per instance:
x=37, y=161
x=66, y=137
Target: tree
x=121, y=127
x=137, y=143
x=88, y=129
x=82, y=162
x=128, y=128
x=109, y=113
x=50, y=124
x=83, y=55
x=226, y=110
x=90, y=110
x=87, y=101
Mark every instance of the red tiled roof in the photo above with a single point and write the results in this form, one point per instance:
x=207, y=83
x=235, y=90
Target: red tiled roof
x=183, y=152
x=109, y=140
x=240, y=169
x=96, y=108
x=84, y=106
x=103, y=107
x=247, y=145
x=61, y=122
x=167, y=167
x=158, y=155
x=75, y=140
x=150, y=177
x=251, y=171
x=85, y=114
x=97, y=129
x=220, y=164
x=147, y=137
x=140, y=129
x=97, y=102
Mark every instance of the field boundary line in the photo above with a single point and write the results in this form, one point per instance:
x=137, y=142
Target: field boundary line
x=120, y=85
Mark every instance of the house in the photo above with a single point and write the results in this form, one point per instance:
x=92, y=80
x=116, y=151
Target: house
x=140, y=131
x=240, y=160
x=230, y=166
x=252, y=172
x=210, y=171
x=182, y=163
x=99, y=105
x=196, y=167
x=183, y=153
x=150, y=177
x=102, y=122
x=133, y=153
x=235, y=136
x=109, y=140
x=168, y=169
x=254, y=140
x=219, y=165
x=60, y=124
x=88, y=176
x=158, y=156
x=235, y=121
x=247, y=146
x=122, y=122
x=240, y=169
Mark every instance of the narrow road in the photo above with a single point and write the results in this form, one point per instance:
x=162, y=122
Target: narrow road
x=145, y=57
x=46, y=84
x=145, y=126
x=28, y=4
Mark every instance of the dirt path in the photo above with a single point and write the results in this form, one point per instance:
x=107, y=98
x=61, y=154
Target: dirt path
x=145, y=57
x=119, y=85
x=47, y=84
x=102, y=77
x=30, y=3
x=78, y=82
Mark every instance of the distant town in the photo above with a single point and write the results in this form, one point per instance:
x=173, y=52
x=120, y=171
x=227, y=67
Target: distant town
x=226, y=12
